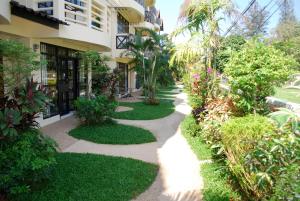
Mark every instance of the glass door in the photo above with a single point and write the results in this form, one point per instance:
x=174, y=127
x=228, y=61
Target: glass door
x=67, y=88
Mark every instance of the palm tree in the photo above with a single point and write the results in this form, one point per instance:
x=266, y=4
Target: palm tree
x=147, y=52
x=200, y=19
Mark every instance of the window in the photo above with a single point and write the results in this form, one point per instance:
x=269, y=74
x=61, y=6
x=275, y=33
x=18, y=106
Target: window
x=123, y=24
x=47, y=4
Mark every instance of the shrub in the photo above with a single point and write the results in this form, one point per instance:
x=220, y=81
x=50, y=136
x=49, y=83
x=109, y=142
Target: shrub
x=253, y=73
x=25, y=160
x=19, y=111
x=240, y=136
x=94, y=111
x=288, y=185
x=271, y=162
x=217, y=112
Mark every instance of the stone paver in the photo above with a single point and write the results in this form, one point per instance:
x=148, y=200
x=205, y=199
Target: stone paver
x=178, y=178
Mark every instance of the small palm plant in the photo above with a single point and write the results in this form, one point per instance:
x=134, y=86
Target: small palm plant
x=149, y=56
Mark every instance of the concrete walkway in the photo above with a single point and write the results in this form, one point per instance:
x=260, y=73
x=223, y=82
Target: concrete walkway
x=179, y=174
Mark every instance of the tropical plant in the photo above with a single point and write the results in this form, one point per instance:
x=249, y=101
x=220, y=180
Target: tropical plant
x=26, y=160
x=16, y=64
x=201, y=20
x=286, y=119
x=253, y=74
x=26, y=156
x=150, y=56
x=97, y=72
x=270, y=162
x=94, y=111
x=19, y=111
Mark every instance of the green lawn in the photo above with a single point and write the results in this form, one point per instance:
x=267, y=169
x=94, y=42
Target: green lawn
x=201, y=149
x=291, y=95
x=216, y=187
x=113, y=134
x=142, y=111
x=86, y=177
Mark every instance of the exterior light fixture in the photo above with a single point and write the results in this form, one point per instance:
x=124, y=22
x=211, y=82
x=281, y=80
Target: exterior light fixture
x=35, y=47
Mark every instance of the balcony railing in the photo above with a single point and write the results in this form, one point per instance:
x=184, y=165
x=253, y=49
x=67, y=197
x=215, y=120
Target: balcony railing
x=149, y=17
x=141, y=2
x=122, y=40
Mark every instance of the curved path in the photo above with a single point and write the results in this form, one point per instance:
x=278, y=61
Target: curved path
x=178, y=178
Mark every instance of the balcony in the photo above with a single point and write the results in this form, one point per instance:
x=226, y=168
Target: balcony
x=122, y=41
x=132, y=10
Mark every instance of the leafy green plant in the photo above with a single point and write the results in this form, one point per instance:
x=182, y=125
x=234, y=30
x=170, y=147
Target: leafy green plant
x=253, y=73
x=288, y=185
x=240, y=136
x=94, y=111
x=19, y=111
x=228, y=46
x=18, y=61
x=286, y=118
x=271, y=159
x=25, y=161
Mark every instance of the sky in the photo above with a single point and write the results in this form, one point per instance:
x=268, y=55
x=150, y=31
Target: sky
x=170, y=11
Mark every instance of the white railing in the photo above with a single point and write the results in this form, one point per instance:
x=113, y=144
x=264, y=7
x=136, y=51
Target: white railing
x=76, y=11
x=97, y=16
x=88, y=13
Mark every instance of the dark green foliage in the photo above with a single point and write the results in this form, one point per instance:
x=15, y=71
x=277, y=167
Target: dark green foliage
x=228, y=45
x=113, y=134
x=253, y=74
x=216, y=186
x=25, y=160
x=25, y=155
x=288, y=185
x=142, y=111
x=94, y=111
x=86, y=177
x=272, y=161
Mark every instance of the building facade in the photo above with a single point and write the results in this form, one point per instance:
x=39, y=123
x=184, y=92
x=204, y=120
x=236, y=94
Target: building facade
x=59, y=29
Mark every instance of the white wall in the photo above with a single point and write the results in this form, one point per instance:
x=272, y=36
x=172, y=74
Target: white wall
x=4, y=11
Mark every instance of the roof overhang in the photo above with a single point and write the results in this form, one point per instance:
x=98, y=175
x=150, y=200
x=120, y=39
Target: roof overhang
x=130, y=9
x=35, y=16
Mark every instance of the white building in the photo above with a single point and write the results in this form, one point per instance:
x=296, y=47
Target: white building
x=58, y=29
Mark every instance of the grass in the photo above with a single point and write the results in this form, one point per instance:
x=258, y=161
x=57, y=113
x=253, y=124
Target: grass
x=142, y=111
x=215, y=183
x=214, y=175
x=291, y=95
x=82, y=177
x=196, y=143
x=113, y=134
